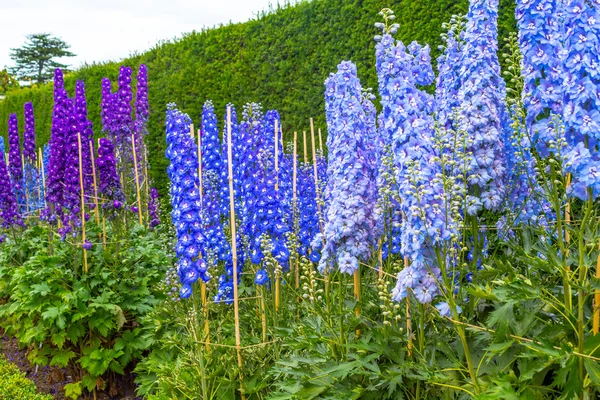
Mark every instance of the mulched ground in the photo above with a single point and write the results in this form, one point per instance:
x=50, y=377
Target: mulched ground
x=51, y=380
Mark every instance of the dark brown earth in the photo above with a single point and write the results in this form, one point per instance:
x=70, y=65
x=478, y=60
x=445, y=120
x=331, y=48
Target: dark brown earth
x=51, y=380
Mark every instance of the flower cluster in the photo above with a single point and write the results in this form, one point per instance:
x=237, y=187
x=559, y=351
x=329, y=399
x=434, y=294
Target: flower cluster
x=407, y=115
x=153, y=209
x=185, y=200
x=351, y=193
x=109, y=184
x=8, y=201
x=217, y=248
x=581, y=112
x=15, y=164
x=56, y=160
x=29, y=133
x=541, y=33
x=482, y=107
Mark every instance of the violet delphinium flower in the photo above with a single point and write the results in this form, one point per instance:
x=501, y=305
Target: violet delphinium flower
x=56, y=159
x=29, y=133
x=123, y=123
x=482, y=106
x=109, y=184
x=185, y=200
x=8, y=202
x=15, y=164
x=351, y=194
x=153, y=208
x=426, y=223
x=107, y=108
x=84, y=128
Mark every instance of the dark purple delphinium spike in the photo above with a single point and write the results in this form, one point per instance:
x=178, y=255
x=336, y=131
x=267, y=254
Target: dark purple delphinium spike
x=141, y=119
x=72, y=199
x=110, y=186
x=84, y=126
x=8, y=202
x=15, y=164
x=56, y=159
x=141, y=100
x=107, y=108
x=153, y=205
x=122, y=116
x=29, y=134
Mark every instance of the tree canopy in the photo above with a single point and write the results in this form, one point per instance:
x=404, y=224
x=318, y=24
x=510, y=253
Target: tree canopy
x=35, y=60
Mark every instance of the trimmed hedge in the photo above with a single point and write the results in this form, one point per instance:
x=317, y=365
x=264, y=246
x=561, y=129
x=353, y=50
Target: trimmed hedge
x=280, y=59
x=14, y=385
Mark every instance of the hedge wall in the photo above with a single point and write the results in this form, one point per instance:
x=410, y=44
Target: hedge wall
x=280, y=59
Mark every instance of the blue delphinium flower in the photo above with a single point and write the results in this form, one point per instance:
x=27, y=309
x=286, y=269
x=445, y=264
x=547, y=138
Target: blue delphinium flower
x=217, y=248
x=541, y=33
x=308, y=216
x=581, y=112
x=185, y=200
x=427, y=222
x=482, y=106
x=351, y=192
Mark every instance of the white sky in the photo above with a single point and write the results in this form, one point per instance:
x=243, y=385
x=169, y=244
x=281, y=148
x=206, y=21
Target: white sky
x=109, y=30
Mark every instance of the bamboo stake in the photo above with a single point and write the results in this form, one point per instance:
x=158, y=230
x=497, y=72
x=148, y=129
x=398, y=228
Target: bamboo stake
x=295, y=205
x=97, y=209
x=200, y=184
x=277, y=277
x=320, y=141
x=137, y=179
x=357, y=294
x=203, y=284
x=43, y=172
x=85, y=266
x=236, y=308
x=312, y=135
x=408, y=321
x=596, y=319
x=305, y=148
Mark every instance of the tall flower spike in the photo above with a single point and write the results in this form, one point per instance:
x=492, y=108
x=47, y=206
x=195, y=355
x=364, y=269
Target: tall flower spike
x=153, y=209
x=56, y=160
x=15, y=163
x=217, y=248
x=482, y=107
x=109, y=183
x=351, y=193
x=185, y=200
x=31, y=174
x=29, y=133
x=8, y=202
x=426, y=222
x=541, y=33
x=581, y=111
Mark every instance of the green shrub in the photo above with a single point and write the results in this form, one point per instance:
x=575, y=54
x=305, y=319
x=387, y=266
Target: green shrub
x=14, y=385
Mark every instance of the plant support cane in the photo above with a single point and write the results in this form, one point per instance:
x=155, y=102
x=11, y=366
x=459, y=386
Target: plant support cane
x=236, y=306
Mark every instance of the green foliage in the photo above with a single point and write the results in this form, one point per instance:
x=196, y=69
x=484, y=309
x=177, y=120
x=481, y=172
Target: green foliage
x=7, y=82
x=14, y=385
x=88, y=322
x=280, y=59
x=35, y=60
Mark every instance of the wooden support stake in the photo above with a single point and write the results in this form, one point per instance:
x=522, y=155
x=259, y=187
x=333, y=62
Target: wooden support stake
x=305, y=148
x=596, y=319
x=97, y=209
x=137, y=179
x=408, y=321
x=201, y=192
x=85, y=265
x=320, y=141
x=295, y=204
x=236, y=307
x=43, y=174
x=357, y=294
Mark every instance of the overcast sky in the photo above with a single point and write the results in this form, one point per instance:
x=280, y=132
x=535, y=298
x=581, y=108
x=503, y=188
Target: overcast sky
x=109, y=30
